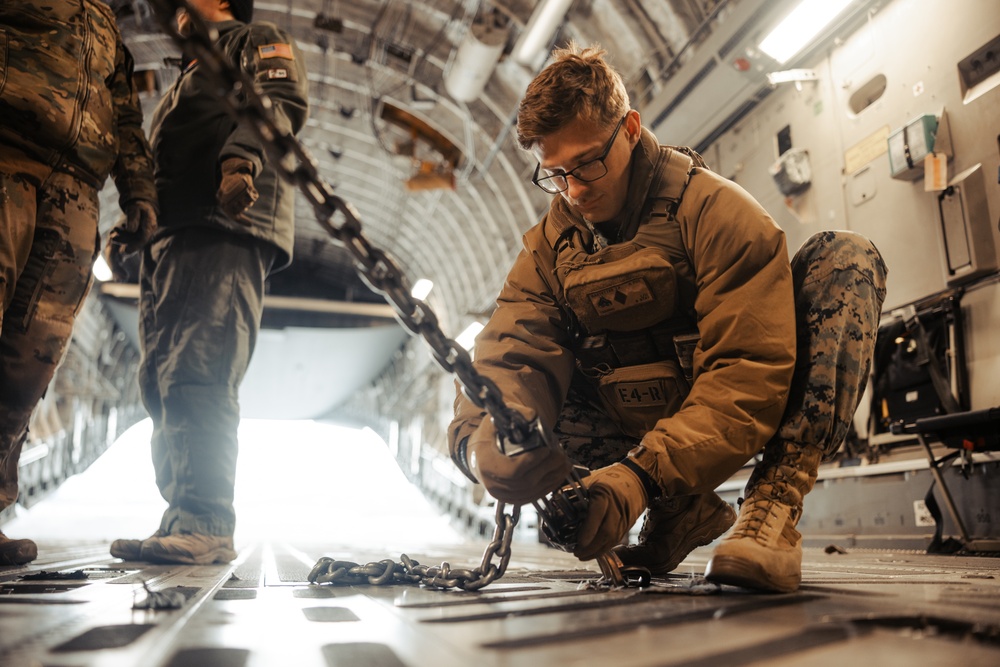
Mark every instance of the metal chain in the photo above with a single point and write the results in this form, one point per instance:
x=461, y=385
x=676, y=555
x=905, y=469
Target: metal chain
x=408, y=571
x=294, y=163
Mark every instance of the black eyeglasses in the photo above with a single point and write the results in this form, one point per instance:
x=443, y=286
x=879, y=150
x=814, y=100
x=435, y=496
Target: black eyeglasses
x=589, y=171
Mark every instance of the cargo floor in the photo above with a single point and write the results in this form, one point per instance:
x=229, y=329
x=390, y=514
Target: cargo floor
x=876, y=607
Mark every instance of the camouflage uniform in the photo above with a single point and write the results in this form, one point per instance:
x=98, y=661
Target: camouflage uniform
x=70, y=117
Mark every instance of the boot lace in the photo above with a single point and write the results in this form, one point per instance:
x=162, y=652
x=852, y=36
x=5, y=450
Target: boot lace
x=753, y=517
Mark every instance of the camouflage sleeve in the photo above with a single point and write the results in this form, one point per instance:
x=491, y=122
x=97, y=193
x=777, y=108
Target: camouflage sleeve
x=133, y=170
x=275, y=63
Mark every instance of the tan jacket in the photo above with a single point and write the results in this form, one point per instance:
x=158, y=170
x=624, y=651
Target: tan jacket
x=733, y=280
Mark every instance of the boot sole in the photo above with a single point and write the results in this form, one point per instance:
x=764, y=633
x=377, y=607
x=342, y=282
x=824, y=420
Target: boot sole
x=748, y=574
x=21, y=558
x=22, y=554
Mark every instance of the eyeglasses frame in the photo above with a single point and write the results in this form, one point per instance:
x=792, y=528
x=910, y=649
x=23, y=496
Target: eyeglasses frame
x=601, y=158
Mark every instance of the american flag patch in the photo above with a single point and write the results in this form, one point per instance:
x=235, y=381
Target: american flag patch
x=276, y=51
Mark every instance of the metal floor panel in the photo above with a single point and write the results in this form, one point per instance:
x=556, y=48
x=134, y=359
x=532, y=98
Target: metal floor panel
x=879, y=607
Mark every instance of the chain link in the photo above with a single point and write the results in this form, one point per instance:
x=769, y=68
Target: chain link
x=382, y=274
x=408, y=571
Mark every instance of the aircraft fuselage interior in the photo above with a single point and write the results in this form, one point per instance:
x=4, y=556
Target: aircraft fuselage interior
x=358, y=540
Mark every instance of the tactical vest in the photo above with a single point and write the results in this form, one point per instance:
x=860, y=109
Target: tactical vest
x=633, y=304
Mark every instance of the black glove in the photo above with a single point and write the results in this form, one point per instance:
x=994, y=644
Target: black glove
x=139, y=226
x=236, y=191
x=617, y=499
x=517, y=479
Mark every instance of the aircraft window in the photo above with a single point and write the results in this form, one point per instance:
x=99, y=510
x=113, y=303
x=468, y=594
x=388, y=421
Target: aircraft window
x=867, y=94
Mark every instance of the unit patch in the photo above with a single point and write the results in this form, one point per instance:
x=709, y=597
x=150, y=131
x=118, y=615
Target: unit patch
x=621, y=296
x=640, y=394
x=277, y=50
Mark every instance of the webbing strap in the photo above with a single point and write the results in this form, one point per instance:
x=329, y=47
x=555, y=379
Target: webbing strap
x=675, y=176
x=927, y=358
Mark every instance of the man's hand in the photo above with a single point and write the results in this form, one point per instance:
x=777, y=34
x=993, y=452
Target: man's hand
x=617, y=499
x=139, y=226
x=516, y=479
x=236, y=191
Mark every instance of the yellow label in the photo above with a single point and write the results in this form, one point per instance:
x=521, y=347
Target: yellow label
x=866, y=150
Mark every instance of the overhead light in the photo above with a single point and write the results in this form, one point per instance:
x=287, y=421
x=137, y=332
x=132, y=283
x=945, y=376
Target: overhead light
x=421, y=289
x=542, y=26
x=800, y=27
x=102, y=271
x=467, y=338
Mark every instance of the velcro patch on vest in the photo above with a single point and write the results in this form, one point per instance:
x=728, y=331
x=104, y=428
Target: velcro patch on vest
x=620, y=297
x=277, y=50
x=640, y=394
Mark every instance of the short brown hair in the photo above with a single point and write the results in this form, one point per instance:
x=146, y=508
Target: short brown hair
x=579, y=82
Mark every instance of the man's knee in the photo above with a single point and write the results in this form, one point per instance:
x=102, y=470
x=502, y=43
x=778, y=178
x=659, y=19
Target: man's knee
x=849, y=254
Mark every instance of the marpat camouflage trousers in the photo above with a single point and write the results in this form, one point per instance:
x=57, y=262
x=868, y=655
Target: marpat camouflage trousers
x=839, y=283
x=48, y=243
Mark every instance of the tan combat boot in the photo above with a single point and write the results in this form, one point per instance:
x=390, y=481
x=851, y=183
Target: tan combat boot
x=673, y=527
x=130, y=549
x=188, y=548
x=764, y=551
x=16, y=552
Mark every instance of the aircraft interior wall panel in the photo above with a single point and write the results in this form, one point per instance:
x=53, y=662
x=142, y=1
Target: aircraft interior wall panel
x=898, y=216
x=822, y=205
x=917, y=48
x=744, y=157
x=981, y=315
x=809, y=116
x=919, y=63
